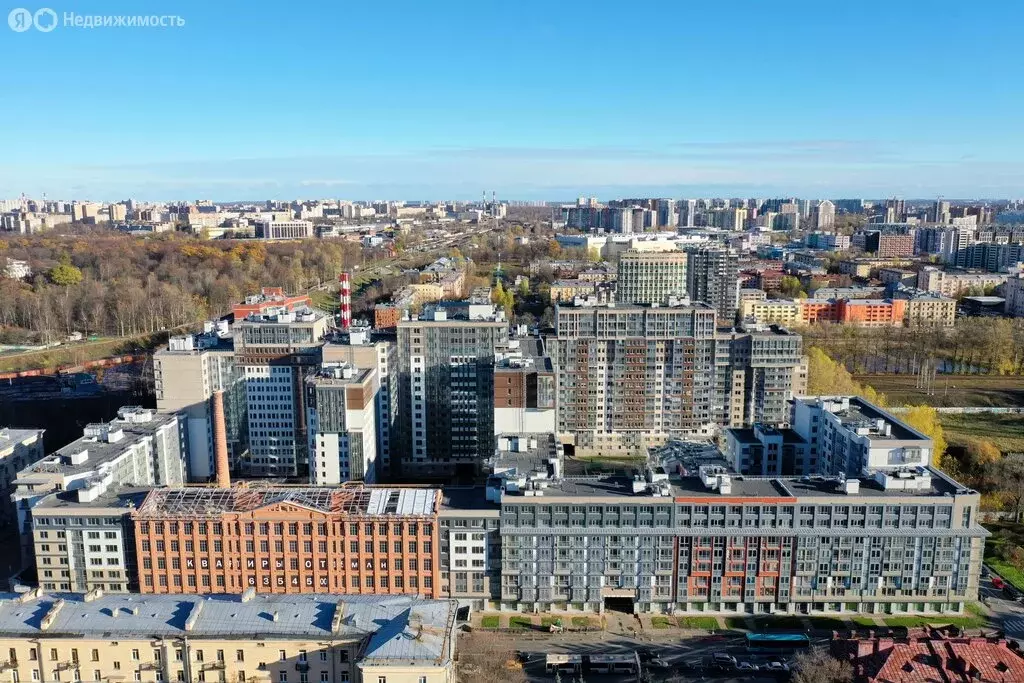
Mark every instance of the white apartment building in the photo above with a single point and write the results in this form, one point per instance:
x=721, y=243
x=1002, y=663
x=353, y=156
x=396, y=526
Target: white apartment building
x=341, y=418
x=651, y=277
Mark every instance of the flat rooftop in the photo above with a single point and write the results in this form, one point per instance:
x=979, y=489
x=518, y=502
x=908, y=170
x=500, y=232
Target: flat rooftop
x=404, y=628
x=12, y=437
x=129, y=498
x=201, y=501
x=861, y=413
x=143, y=424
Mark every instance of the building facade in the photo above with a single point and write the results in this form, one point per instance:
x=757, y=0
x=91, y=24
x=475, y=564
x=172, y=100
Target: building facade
x=289, y=540
x=246, y=638
x=274, y=351
x=186, y=374
x=341, y=413
x=446, y=359
x=712, y=276
x=651, y=277
x=19, y=448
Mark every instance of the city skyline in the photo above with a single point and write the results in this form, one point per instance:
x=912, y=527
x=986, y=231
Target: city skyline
x=439, y=101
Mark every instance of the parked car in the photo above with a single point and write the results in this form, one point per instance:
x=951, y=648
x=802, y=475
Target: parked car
x=646, y=654
x=1010, y=592
x=723, y=658
x=746, y=667
x=776, y=666
x=658, y=664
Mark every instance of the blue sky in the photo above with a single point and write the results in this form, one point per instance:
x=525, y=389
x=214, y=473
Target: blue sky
x=536, y=100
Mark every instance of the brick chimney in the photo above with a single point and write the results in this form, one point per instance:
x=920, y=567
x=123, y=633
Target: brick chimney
x=220, y=442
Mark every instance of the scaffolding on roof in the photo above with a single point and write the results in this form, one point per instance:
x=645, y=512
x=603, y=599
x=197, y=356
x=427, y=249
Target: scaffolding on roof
x=213, y=502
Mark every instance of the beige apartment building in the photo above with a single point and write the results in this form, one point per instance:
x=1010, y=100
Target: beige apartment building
x=651, y=277
x=929, y=310
x=778, y=311
x=238, y=639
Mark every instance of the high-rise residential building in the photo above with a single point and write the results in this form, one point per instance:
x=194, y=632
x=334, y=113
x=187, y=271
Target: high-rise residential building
x=524, y=388
x=139, y=447
x=667, y=217
x=341, y=414
x=186, y=373
x=446, y=362
x=19, y=448
x=690, y=536
x=117, y=212
x=192, y=638
x=688, y=213
x=944, y=242
x=274, y=351
x=712, y=275
x=629, y=375
x=289, y=540
x=361, y=351
x=825, y=215
x=940, y=212
x=757, y=371
x=646, y=277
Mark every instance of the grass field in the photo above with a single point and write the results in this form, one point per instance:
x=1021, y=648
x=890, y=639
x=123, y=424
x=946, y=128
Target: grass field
x=950, y=390
x=520, y=622
x=583, y=622
x=706, y=623
x=1006, y=431
x=1004, y=533
x=490, y=621
x=967, y=621
x=75, y=354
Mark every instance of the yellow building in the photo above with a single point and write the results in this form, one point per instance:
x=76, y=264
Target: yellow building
x=566, y=290
x=226, y=639
x=426, y=293
x=779, y=311
x=930, y=310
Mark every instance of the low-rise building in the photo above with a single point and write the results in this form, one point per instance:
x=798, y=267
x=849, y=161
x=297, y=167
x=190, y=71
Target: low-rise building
x=927, y=309
x=567, y=290
x=283, y=230
x=928, y=656
x=247, y=638
x=779, y=311
x=1013, y=293
x=955, y=283
x=764, y=450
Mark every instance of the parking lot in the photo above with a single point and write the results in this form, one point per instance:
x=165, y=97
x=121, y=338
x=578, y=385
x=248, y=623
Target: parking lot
x=516, y=658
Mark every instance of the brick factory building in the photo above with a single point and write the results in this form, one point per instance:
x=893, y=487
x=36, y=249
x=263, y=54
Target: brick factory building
x=289, y=540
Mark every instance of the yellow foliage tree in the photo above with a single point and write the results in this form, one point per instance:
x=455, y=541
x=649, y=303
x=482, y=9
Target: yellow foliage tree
x=925, y=419
x=826, y=377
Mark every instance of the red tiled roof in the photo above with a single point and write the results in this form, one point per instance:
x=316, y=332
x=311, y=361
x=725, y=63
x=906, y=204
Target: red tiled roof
x=933, y=660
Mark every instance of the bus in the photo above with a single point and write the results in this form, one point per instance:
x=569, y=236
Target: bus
x=623, y=663
x=563, y=663
x=777, y=642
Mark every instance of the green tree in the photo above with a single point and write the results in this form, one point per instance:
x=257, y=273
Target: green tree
x=826, y=377
x=790, y=285
x=65, y=275
x=524, y=288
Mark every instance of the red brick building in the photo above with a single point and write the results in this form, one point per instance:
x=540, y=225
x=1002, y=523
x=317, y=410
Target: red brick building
x=269, y=297
x=282, y=539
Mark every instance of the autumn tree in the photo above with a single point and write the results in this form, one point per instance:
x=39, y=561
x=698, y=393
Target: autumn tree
x=818, y=666
x=925, y=419
x=826, y=377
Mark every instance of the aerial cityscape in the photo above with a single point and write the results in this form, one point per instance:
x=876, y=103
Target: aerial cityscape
x=352, y=379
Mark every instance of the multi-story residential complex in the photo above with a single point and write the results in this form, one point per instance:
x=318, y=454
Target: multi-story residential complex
x=284, y=230
x=524, y=388
x=289, y=540
x=825, y=215
x=889, y=539
x=341, y=415
x=943, y=241
x=361, y=351
x=848, y=435
x=634, y=376
x=777, y=311
x=828, y=241
x=274, y=350
x=186, y=375
x=84, y=539
x=991, y=256
x=712, y=276
x=139, y=448
x=757, y=371
x=927, y=309
x=628, y=373
x=1013, y=292
x=651, y=277
x=910, y=308
x=446, y=362
x=247, y=638
x=764, y=450
x=470, y=546
x=953, y=284
x=19, y=448
x=892, y=241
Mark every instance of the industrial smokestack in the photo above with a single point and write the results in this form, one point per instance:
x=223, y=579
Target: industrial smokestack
x=220, y=441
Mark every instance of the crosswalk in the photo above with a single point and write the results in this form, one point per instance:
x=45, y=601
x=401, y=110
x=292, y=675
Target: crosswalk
x=1014, y=625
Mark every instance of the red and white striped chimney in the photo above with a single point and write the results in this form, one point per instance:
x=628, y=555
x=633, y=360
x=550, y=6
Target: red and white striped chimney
x=345, y=300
